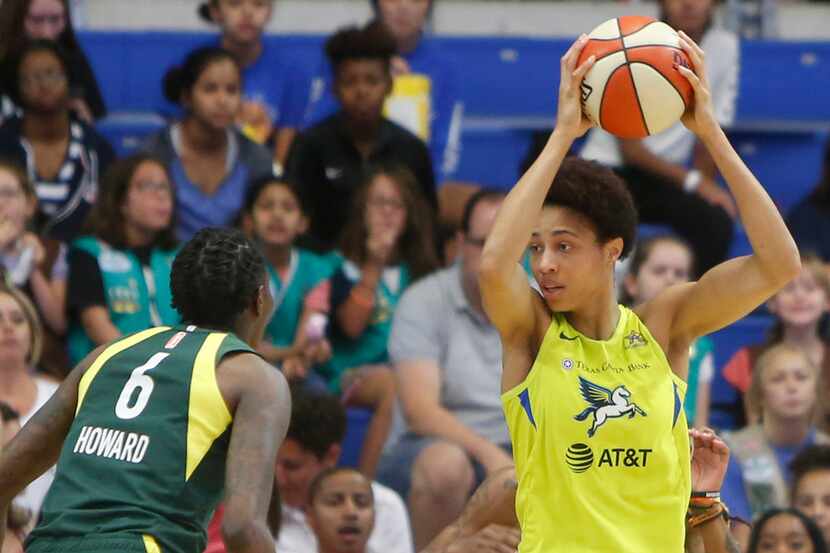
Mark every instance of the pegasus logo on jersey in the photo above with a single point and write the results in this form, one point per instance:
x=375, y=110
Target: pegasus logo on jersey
x=605, y=404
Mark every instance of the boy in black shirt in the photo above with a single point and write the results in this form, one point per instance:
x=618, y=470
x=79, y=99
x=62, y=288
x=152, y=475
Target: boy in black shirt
x=328, y=161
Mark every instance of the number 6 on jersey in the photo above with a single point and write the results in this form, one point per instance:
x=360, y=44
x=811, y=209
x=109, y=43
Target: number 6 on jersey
x=142, y=382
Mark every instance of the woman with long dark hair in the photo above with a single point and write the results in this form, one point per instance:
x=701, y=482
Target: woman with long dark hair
x=386, y=245
x=24, y=20
x=119, y=270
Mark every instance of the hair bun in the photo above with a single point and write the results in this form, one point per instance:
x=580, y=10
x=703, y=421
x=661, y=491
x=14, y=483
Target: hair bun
x=204, y=12
x=172, y=84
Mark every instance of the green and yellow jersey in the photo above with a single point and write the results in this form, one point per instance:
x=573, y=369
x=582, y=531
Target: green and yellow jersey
x=143, y=464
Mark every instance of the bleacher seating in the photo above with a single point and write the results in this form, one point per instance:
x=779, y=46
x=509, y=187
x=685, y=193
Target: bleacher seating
x=509, y=88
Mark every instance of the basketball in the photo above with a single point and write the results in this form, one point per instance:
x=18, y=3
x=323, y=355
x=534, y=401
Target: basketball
x=634, y=88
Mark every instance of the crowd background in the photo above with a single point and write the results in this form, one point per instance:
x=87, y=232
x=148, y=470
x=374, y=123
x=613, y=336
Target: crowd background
x=368, y=164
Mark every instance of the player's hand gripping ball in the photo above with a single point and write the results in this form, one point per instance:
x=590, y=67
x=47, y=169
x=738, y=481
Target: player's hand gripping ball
x=634, y=88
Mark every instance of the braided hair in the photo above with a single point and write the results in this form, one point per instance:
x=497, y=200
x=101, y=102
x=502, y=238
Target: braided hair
x=215, y=277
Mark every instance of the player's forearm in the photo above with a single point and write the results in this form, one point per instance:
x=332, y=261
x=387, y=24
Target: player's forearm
x=773, y=246
x=716, y=537
x=517, y=215
x=253, y=537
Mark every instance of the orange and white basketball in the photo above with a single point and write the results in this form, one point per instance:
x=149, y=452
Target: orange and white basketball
x=634, y=88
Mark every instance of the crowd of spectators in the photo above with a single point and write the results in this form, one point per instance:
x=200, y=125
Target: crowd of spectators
x=337, y=172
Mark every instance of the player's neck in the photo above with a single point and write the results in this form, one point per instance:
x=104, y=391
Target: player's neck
x=786, y=432
x=598, y=319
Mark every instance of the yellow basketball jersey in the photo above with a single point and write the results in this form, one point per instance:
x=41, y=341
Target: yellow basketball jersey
x=601, y=444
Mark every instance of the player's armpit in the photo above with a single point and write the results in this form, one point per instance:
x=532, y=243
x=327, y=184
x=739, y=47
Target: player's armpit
x=261, y=415
x=38, y=444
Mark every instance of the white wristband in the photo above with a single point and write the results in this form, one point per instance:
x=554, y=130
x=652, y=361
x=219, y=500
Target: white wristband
x=692, y=181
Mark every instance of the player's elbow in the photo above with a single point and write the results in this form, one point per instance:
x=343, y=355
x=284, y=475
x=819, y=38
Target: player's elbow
x=242, y=533
x=785, y=268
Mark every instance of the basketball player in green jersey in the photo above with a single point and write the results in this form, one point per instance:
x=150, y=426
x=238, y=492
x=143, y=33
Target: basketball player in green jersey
x=149, y=430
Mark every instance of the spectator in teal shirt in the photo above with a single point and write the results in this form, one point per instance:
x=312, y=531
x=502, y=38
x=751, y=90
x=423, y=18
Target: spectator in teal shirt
x=295, y=335
x=386, y=245
x=119, y=269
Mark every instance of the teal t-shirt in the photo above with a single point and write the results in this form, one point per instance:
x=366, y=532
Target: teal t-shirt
x=306, y=271
x=371, y=346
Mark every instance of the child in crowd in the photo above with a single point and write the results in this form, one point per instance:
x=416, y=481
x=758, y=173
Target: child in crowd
x=63, y=155
x=386, y=245
x=657, y=263
x=799, y=308
x=24, y=20
x=785, y=391
x=786, y=531
x=425, y=96
x=209, y=160
x=275, y=92
x=341, y=511
x=35, y=265
x=295, y=336
x=811, y=485
x=328, y=160
x=119, y=272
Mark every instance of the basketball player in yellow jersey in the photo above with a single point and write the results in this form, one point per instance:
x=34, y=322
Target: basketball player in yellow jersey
x=592, y=391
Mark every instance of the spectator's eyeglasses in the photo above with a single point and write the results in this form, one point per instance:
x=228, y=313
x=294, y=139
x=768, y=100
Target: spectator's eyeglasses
x=53, y=20
x=380, y=202
x=152, y=186
x=48, y=78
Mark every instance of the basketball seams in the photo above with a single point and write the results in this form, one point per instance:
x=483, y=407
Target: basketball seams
x=627, y=65
x=660, y=73
x=637, y=30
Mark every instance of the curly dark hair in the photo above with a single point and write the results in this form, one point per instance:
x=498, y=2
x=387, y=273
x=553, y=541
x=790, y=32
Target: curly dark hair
x=215, y=276
x=813, y=458
x=372, y=42
x=598, y=194
x=318, y=420
x=105, y=220
x=416, y=243
x=809, y=526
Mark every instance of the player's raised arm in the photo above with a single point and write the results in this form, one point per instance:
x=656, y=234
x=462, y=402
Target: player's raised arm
x=505, y=291
x=260, y=422
x=732, y=289
x=38, y=444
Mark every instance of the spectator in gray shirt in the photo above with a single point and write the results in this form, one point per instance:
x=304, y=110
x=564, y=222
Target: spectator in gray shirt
x=447, y=358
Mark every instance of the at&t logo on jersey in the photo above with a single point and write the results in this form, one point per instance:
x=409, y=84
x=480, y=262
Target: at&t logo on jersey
x=580, y=457
x=605, y=404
